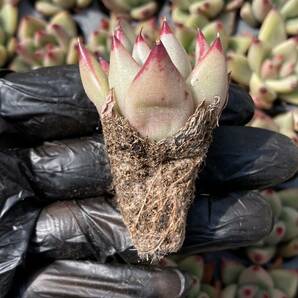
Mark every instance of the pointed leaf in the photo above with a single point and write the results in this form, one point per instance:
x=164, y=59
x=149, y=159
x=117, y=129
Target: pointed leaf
x=94, y=80
x=209, y=79
x=175, y=50
x=141, y=50
x=202, y=46
x=123, y=69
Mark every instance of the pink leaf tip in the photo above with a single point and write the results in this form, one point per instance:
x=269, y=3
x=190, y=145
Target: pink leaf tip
x=140, y=38
x=165, y=28
x=202, y=46
x=217, y=44
x=115, y=42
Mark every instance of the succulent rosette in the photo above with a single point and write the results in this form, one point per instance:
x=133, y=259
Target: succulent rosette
x=40, y=43
x=52, y=7
x=199, y=12
x=284, y=123
x=135, y=9
x=282, y=242
x=99, y=41
x=157, y=115
x=211, y=16
x=270, y=66
x=255, y=12
x=256, y=282
x=8, y=27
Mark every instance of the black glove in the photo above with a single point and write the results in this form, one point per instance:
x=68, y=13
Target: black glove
x=50, y=104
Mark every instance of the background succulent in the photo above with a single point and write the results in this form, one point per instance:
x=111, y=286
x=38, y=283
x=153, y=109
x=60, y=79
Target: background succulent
x=256, y=282
x=42, y=43
x=52, y=7
x=269, y=66
x=283, y=239
x=8, y=27
x=201, y=273
x=136, y=9
x=285, y=123
x=198, y=13
x=255, y=12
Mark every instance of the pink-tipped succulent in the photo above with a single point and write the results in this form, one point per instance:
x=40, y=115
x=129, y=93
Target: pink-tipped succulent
x=258, y=12
x=51, y=7
x=282, y=242
x=42, y=43
x=270, y=66
x=155, y=88
x=157, y=123
x=256, y=282
x=137, y=9
x=9, y=22
x=141, y=50
x=199, y=12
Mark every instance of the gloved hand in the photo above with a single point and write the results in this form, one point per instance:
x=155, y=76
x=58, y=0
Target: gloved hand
x=50, y=104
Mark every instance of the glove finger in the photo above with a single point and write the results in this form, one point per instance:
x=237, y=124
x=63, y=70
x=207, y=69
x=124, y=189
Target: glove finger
x=245, y=158
x=18, y=214
x=95, y=228
x=87, y=279
x=292, y=183
x=227, y=221
x=239, y=109
x=70, y=169
x=240, y=158
x=50, y=103
x=77, y=229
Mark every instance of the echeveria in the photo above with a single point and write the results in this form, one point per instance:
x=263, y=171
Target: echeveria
x=156, y=89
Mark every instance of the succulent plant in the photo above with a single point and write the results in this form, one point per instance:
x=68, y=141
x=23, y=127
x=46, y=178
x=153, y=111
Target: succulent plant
x=211, y=16
x=256, y=282
x=285, y=123
x=198, y=13
x=8, y=26
x=45, y=44
x=123, y=64
x=256, y=11
x=52, y=7
x=135, y=9
x=99, y=41
x=270, y=67
x=196, y=267
x=188, y=36
x=283, y=239
x=155, y=96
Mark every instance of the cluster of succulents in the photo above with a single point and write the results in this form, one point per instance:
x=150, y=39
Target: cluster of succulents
x=8, y=27
x=255, y=12
x=282, y=242
x=52, y=7
x=54, y=42
x=268, y=65
x=135, y=9
x=235, y=279
x=99, y=41
x=284, y=123
x=201, y=273
x=198, y=13
x=211, y=16
x=41, y=43
x=256, y=282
